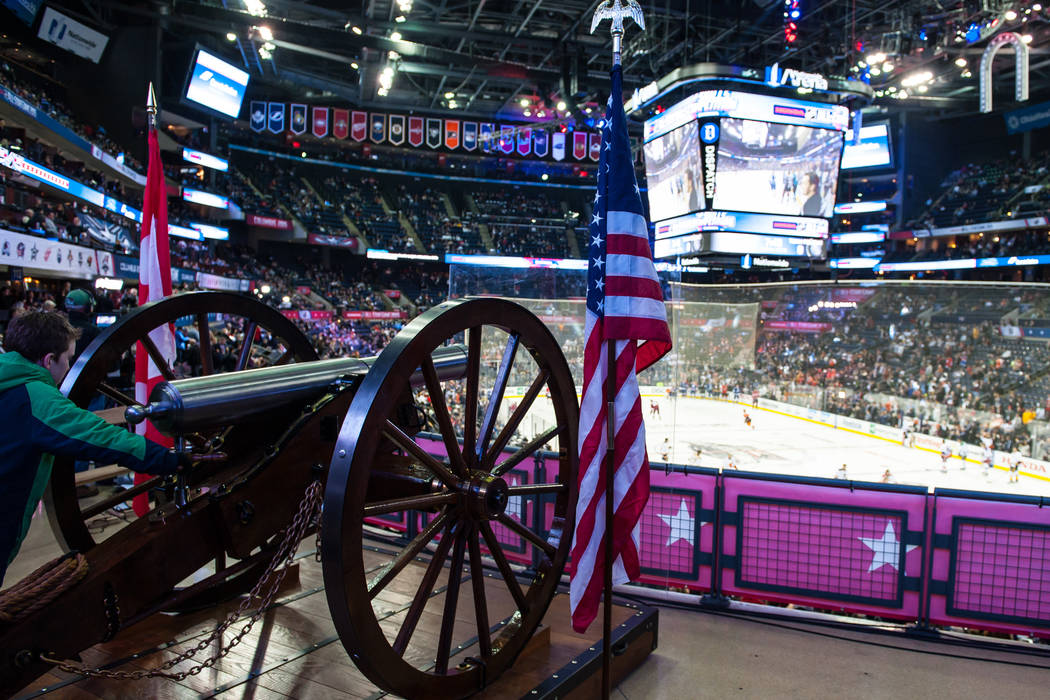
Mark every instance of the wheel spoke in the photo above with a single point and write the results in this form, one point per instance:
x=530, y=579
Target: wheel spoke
x=392, y=569
x=246, y=348
x=448, y=616
x=481, y=608
x=402, y=440
x=519, y=413
x=412, y=503
x=113, y=416
x=284, y=359
x=111, y=392
x=470, y=407
x=535, y=489
x=513, y=525
x=504, y=567
x=118, y=498
x=426, y=586
x=444, y=420
x=158, y=359
x=526, y=451
x=204, y=331
x=498, y=389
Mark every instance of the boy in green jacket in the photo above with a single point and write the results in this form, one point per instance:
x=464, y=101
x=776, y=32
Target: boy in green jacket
x=38, y=422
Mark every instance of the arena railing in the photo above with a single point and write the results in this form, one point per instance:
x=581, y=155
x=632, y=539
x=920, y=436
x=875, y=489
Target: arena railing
x=945, y=558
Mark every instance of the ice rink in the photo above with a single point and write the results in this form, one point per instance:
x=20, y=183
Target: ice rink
x=788, y=445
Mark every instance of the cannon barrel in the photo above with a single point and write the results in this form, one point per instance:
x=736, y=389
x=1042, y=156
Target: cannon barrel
x=185, y=405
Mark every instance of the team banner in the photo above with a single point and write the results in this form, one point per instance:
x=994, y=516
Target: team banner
x=470, y=135
x=275, y=117
x=257, y=116
x=579, y=145
x=539, y=143
x=524, y=141
x=42, y=254
x=488, y=136
x=415, y=131
x=340, y=123
x=506, y=139
x=298, y=119
x=320, y=122
x=359, y=126
x=596, y=146
x=452, y=134
x=434, y=133
x=558, y=145
x=378, y=128
x=397, y=129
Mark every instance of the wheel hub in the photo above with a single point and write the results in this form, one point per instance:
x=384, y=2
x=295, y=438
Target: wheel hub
x=486, y=496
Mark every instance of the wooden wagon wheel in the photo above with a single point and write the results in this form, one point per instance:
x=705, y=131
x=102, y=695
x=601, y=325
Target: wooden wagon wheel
x=94, y=376
x=465, y=495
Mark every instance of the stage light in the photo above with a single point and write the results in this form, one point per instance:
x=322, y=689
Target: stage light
x=255, y=7
x=354, y=65
x=265, y=289
x=876, y=58
x=265, y=33
x=966, y=74
x=1037, y=7
x=399, y=19
x=382, y=92
x=1010, y=15
x=395, y=36
x=961, y=62
x=303, y=154
x=544, y=177
x=524, y=102
x=452, y=104
x=875, y=72
x=230, y=36
x=1026, y=38
x=527, y=112
x=541, y=114
x=561, y=106
x=917, y=78
x=356, y=30
x=449, y=95
x=887, y=67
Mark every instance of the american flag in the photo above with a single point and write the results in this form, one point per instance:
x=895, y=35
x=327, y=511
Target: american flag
x=624, y=304
x=154, y=284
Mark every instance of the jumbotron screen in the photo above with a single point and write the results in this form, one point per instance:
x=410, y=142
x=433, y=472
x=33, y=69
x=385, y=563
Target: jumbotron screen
x=777, y=168
x=674, y=172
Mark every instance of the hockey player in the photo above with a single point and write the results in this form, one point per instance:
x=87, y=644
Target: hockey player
x=747, y=419
x=946, y=454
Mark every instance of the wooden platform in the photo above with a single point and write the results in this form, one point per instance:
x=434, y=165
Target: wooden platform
x=293, y=650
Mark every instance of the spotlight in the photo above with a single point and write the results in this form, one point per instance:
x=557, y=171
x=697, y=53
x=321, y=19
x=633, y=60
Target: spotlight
x=230, y=36
x=395, y=36
x=354, y=65
x=399, y=19
x=265, y=33
x=561, y=106
x=449, y=95
x=1026, y=38
x=524, y=102
x=544, y=177
x=961, y=62
x=356, y=30
x=1010, y=15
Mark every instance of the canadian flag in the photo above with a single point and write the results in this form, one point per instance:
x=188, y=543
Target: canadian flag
x=154, y=284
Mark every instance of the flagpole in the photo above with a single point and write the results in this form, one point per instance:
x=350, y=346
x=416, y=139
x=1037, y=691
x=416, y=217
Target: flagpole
x=151, y=109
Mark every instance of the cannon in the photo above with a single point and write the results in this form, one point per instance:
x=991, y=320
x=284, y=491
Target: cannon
x=289, y=425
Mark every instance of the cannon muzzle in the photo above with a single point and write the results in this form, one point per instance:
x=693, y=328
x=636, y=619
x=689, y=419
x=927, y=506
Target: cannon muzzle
x=186, y=405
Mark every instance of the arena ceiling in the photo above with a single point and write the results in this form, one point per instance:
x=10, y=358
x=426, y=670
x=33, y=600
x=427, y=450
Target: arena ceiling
x=486, y=58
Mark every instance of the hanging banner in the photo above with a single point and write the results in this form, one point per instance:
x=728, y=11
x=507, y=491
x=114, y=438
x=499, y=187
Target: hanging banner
x=539, y=143
x=415, y=131
x=596, y=147
x=397, y=129
x=257, y=116
x=434, y=133
x=524, y=142
x=42, y=254
x=579, y=145
x=470, y=135
x=452, y=134
x=358, y=126
x=320, y=122
x=488, y=135
x=506, y=139
x=275, y=117
x=558, y=145
x=298, y=119
x=340, y=123
x=378, y=129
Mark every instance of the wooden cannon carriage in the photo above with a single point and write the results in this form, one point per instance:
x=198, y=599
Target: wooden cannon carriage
x=350, y=427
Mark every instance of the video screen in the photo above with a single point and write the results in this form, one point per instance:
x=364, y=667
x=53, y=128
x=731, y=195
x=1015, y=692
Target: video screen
x=777, y=168
x=872, y=151
x=216, y=84
x=674, y=173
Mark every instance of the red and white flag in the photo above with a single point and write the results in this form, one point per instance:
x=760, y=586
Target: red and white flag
x=154, y=284
x=625, y=304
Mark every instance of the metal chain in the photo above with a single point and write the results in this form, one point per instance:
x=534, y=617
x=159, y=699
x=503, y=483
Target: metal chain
x=284, y=555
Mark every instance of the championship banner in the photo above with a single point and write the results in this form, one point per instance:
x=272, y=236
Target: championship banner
x=558, y=145
x=275, y=117
x=257, y=116
x=359, y=126
x=524, y=142
x=596, y=147
x=470, y=135
x=434, y=133
x=579, y=145
x=506, y=139
x=488, y=136
x=452, y=134
x=539, y=142
x=415, y=131
x=298, y=119
x=320, y=122
x=378, y=130
x=340, y=123
x=397, y=129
